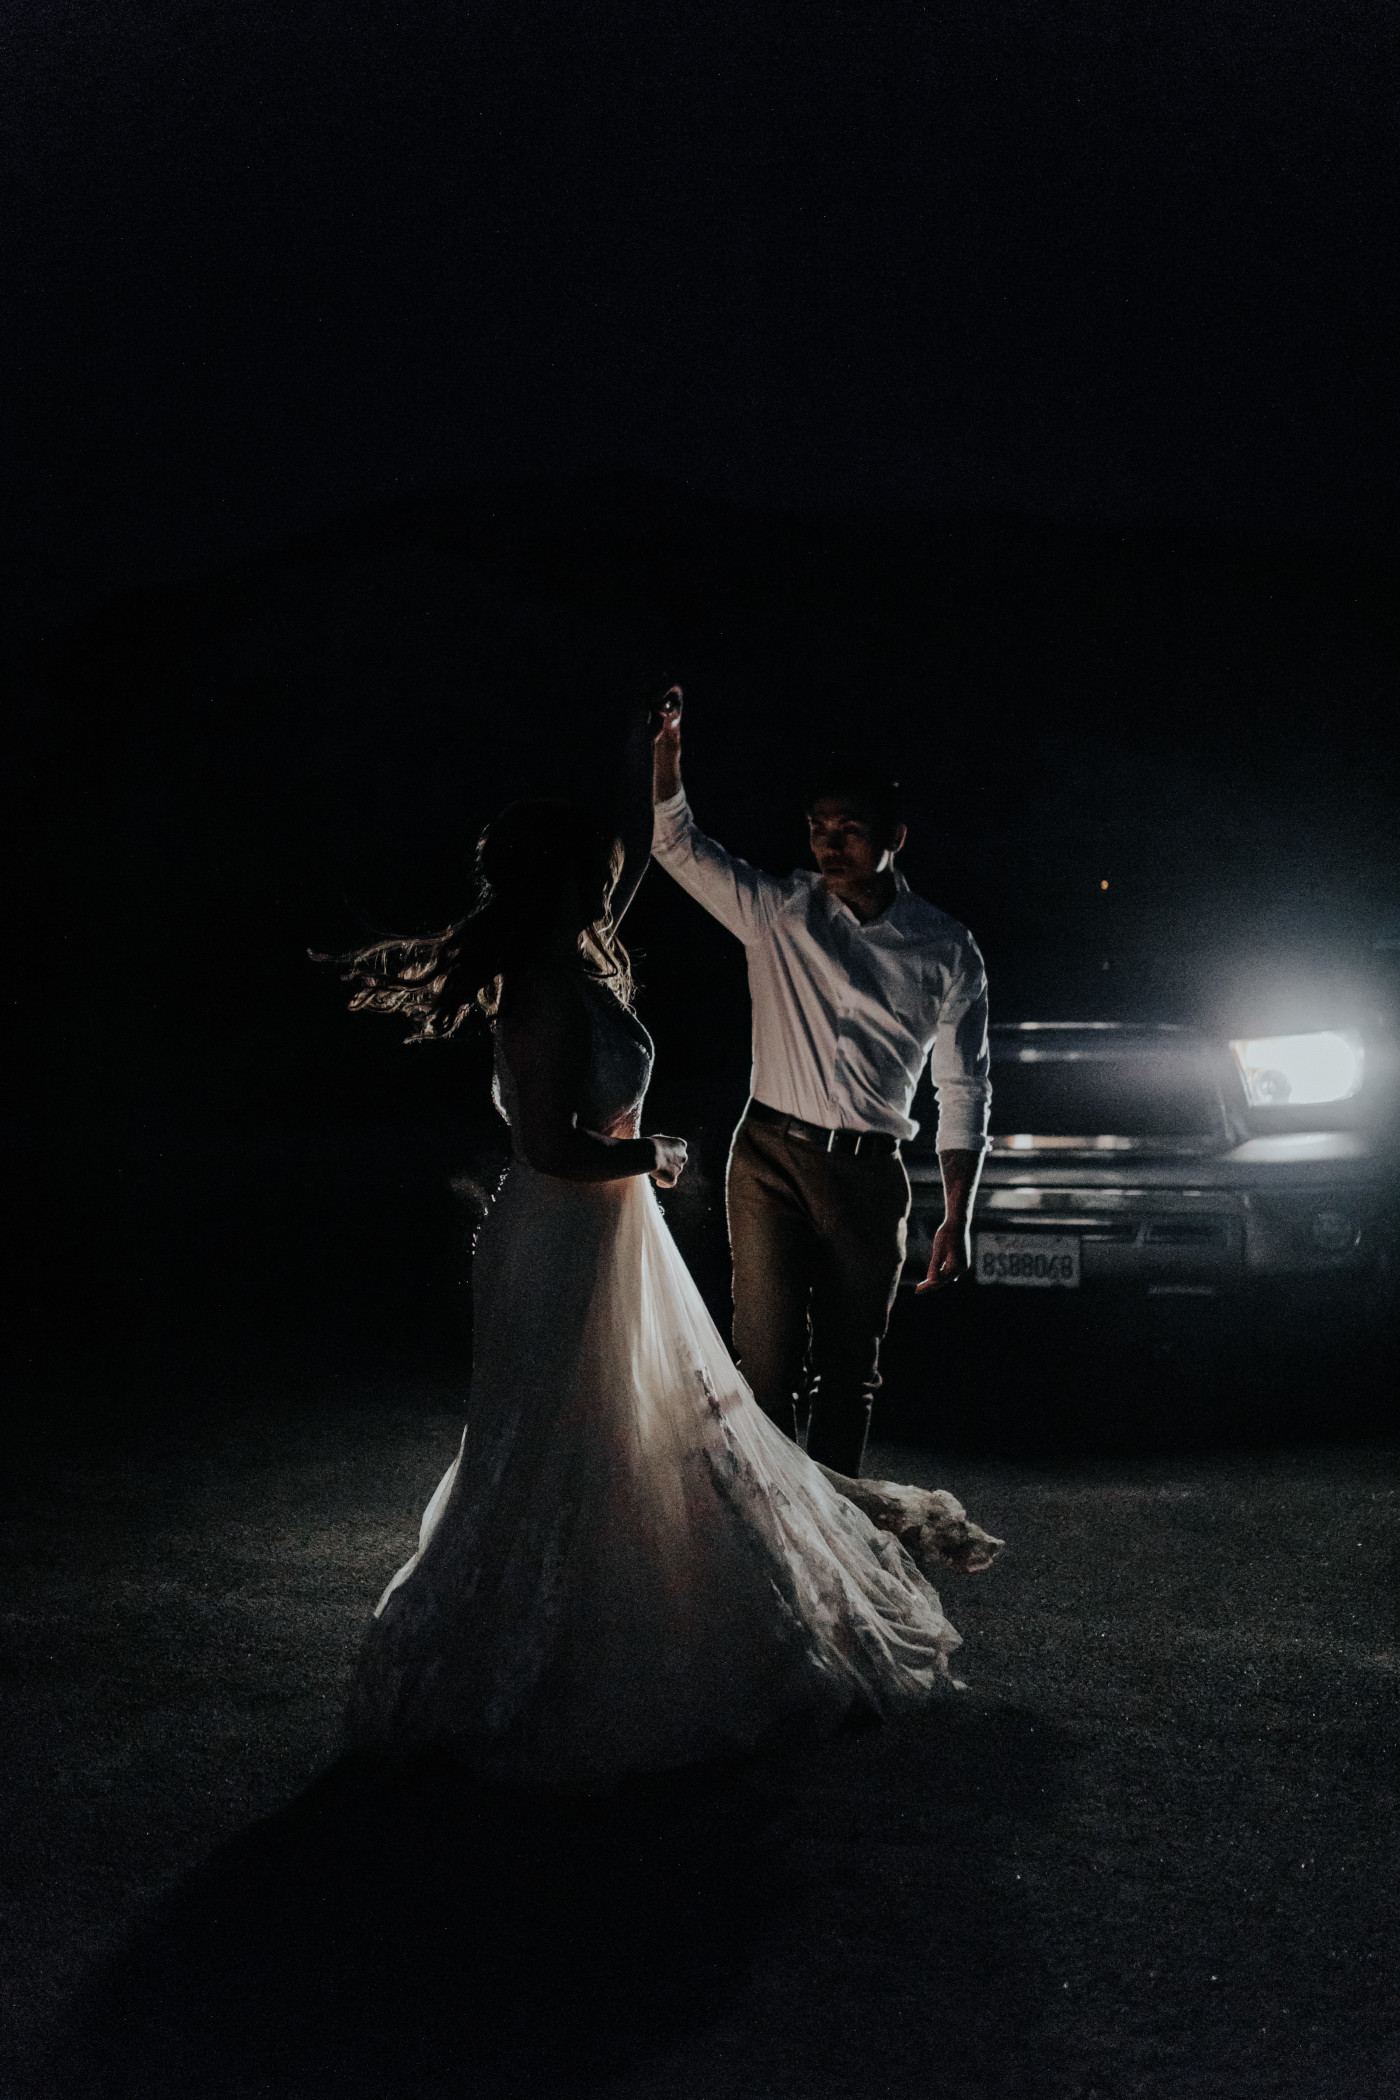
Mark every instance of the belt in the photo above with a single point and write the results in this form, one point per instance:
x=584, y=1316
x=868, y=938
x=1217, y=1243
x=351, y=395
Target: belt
x=850, y=1143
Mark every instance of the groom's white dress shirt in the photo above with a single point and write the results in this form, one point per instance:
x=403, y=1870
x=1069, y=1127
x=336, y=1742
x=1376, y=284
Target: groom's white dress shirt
x=845, y=1014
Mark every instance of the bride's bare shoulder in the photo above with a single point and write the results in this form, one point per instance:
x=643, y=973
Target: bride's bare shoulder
x=541, y=1001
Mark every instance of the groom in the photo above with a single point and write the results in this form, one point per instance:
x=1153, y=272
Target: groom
x=854, y=980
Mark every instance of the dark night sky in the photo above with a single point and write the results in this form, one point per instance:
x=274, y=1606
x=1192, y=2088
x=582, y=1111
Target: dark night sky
x=393, y=389
x=389, y=390
x=1068, y=260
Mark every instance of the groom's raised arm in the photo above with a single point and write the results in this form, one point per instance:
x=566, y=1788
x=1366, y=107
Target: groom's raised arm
x=741, y=897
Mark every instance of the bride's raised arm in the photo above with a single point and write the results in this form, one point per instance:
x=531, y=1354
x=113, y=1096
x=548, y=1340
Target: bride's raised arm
x=545, y=1038
x=632, y=815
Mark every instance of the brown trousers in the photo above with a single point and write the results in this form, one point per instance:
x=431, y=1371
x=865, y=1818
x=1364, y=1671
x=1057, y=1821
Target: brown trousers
x=817, y=1240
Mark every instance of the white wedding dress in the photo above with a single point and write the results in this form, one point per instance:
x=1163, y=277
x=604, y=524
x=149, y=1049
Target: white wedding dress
x=627, y=1568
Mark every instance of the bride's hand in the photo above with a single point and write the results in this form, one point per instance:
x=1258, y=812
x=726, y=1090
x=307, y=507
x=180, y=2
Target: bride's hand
x=664, y=724
x=670, y=1161
x=664, y=718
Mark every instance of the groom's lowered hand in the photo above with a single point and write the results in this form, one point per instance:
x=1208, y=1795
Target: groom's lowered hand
x=951, y=1256
x=952, y=1243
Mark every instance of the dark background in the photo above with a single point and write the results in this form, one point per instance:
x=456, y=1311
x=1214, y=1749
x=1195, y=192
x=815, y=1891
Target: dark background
x=391, y=394
x=1048, y=260
x=395, y=395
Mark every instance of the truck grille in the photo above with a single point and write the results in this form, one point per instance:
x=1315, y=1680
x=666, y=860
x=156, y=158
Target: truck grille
x=1187, y=1232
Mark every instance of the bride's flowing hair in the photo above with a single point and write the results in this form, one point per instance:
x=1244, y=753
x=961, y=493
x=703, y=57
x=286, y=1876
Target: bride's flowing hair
x=527, y=861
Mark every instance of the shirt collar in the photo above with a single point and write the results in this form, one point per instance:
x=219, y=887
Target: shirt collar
x=890, y=916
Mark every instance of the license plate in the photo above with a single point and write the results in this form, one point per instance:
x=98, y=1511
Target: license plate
x=1034, y=1260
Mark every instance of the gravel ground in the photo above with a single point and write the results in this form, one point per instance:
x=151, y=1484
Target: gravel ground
x=1149, y=1851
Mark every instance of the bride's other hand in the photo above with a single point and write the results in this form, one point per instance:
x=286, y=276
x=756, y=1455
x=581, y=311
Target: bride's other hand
x=670, y=1161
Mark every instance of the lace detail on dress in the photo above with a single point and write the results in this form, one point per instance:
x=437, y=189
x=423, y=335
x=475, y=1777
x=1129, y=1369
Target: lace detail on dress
x=621, y=1054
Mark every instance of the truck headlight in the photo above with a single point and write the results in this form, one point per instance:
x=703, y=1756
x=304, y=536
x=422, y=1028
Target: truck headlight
x=1300, y=1071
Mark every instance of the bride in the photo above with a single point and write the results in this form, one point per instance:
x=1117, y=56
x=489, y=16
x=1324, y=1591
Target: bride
x=627, y=1568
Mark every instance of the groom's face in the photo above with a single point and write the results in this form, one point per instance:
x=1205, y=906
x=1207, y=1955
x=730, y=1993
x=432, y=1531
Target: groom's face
x=847, y=843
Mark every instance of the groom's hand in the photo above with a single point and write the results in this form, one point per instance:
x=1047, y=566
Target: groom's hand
x=951, y=1256
x=645, y=723
x=952, y=1243
x=664, y=720
x=664, y=714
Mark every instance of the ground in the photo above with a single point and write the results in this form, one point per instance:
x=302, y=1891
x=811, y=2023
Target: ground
x=1150, y=1850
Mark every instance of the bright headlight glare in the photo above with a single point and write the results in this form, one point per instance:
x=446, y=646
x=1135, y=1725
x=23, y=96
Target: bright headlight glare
x=1300, y=1071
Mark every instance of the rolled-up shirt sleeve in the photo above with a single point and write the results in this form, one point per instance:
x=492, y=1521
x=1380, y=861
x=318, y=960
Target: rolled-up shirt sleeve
x=738, y=895
x=960, y=1062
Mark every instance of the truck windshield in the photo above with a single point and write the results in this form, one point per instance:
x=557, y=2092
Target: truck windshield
x=1054, y=1093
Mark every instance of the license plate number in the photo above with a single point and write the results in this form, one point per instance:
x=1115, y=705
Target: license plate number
x=1032, y=1260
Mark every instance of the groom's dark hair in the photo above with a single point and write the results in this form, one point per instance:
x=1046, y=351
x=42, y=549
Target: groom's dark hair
x=874, y=789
